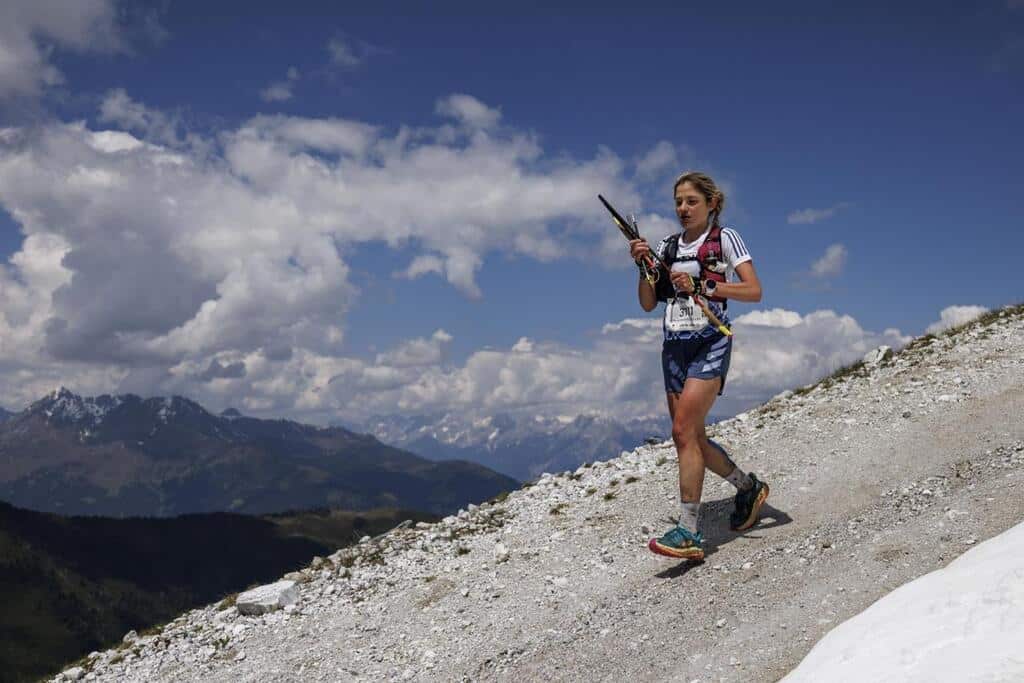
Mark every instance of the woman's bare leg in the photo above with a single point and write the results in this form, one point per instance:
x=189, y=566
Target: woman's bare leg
x=714, y=458
x=689, y=409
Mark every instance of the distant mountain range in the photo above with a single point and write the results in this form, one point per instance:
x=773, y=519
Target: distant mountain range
x=126, y=456
x=523, y=447
x=5, y=415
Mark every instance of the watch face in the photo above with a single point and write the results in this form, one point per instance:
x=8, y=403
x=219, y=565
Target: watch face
x=710, y=285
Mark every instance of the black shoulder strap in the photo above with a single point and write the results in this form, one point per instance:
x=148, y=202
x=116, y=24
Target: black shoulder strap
x=664, y=289
x=671, y=249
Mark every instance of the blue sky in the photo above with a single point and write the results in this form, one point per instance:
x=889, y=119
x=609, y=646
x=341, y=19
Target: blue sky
x=892, y=131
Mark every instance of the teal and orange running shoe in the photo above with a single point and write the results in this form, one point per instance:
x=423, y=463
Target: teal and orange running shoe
x=679, y=542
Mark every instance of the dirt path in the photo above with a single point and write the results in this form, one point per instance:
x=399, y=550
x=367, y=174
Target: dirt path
x=842, y=545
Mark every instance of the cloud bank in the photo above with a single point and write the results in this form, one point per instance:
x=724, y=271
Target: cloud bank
x=152, y=255
x=161, y=262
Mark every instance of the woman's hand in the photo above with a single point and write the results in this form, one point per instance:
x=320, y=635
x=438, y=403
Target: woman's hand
x=682, y=281
x=639, y=249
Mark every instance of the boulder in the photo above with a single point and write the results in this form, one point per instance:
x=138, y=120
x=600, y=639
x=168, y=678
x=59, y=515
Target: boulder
x=268, y=598
x=500, y=553
x=873, y=358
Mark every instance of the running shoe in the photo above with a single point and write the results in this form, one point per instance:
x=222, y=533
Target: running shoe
x=679, y=542
x=748, y=505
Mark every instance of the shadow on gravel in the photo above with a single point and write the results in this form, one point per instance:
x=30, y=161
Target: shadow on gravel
x=715, y=525
x=679, y=570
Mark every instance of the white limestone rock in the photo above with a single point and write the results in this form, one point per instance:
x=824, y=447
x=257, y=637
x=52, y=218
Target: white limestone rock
x=501, y=553
x=877, y=356
x=264, y=599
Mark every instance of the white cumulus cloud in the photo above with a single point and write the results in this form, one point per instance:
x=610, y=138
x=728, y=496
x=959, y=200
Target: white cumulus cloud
x=619, y=373
x=952, y=316
x=30, y=29
x=469, y=111
x=119, y=109
x=781, y=349
x=149, y=252
x=831, y=262
x=659, y=159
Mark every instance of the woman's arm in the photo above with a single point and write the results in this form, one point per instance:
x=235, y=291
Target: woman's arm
x=645, y=290
x=645, y=293
x=747, y=289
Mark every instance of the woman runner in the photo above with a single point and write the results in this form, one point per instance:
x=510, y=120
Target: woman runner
x=695, y=354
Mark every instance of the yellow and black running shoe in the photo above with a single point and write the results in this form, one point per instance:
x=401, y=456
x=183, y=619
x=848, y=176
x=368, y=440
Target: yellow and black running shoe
x=748, y=505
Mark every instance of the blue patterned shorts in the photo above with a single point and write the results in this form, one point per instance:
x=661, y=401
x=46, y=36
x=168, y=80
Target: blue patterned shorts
x=703, y=358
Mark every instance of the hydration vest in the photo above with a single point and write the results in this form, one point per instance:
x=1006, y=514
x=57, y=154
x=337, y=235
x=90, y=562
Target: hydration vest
x=713, y=265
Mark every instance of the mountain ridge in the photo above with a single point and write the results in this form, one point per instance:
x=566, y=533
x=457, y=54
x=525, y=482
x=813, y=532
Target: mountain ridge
x=126, y=456
x=521, y=446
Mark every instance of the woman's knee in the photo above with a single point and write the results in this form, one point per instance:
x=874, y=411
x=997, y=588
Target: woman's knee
x=685, y=433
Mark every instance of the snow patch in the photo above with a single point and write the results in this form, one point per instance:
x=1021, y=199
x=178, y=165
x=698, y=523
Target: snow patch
x=961, y=623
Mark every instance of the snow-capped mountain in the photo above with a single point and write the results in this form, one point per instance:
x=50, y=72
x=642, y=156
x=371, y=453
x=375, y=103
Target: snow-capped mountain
x=126, y=455
x=521, y=446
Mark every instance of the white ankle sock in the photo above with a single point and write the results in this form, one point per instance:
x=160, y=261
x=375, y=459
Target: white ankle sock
x=689, y=516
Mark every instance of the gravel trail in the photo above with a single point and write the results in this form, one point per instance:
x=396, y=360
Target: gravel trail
x=877, y=477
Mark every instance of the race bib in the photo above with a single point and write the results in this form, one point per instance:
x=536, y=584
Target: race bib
x=682, y=315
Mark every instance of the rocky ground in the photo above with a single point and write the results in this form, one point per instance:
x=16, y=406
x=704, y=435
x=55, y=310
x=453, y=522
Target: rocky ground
x=878, y=476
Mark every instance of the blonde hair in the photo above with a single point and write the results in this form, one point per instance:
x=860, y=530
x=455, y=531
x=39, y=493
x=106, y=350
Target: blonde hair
x=706, y=186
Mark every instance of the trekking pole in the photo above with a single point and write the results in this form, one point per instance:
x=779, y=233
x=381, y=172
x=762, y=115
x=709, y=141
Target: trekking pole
x=707, y=310
x=651, y=264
